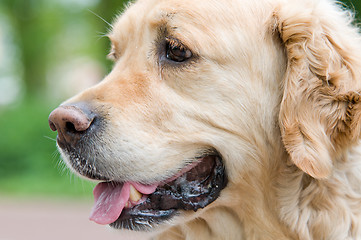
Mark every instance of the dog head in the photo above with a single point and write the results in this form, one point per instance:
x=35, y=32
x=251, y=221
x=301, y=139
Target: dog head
x=202, y=96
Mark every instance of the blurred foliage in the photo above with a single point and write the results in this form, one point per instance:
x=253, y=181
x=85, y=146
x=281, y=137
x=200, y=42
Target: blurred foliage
x=30, y=163
x=39, y=24
x=44, y=33
x=47, y=33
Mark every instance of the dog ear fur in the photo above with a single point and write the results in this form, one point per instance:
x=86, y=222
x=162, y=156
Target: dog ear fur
x=320, y=111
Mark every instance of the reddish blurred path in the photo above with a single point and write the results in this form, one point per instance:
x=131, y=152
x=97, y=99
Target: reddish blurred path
x=26, y=219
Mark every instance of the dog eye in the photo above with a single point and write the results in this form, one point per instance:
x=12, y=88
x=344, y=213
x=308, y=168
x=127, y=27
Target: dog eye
x=177, y=52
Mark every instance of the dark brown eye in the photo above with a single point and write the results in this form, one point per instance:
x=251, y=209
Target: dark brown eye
x=176, y=51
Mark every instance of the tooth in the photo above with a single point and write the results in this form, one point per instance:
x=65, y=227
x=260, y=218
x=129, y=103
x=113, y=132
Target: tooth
x=135, y=196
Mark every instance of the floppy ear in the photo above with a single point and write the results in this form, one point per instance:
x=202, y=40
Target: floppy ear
x=320, y=110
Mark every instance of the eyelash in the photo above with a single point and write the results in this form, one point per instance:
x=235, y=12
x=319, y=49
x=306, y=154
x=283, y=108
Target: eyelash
x=174, y=42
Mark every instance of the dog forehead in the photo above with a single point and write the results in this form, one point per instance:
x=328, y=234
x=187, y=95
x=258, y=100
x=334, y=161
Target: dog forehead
x=154, y=14
x=210, y=15
x=199, y=24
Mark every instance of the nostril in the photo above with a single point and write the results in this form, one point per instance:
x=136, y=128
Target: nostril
x=52, y=126
x=70, y=127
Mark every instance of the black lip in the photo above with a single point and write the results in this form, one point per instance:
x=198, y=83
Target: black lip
x=193, y=190
x=80, y=164
x=142, y=220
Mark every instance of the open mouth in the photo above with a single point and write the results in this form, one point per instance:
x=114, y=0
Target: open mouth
x=140, y=207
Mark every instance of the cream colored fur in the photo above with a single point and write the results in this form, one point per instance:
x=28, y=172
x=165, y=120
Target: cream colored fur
x=275, y=89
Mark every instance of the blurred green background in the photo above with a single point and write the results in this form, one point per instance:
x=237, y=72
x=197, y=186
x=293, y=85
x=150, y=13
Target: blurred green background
x=49, y=50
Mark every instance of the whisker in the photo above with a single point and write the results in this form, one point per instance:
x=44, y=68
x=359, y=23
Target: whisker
x=109, y=25
x=50, y=138
x=63, y=169
x=58, y=162
x=55, y=154
x=101, y=35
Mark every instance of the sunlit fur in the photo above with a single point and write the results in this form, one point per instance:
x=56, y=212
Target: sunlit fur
x=273, y=86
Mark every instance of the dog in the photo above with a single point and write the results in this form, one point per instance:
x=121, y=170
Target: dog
x=235, y=119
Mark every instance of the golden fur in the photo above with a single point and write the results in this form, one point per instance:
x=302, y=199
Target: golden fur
x=275, y=88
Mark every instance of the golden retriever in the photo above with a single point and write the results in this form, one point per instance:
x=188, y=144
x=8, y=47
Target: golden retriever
x=234, y=119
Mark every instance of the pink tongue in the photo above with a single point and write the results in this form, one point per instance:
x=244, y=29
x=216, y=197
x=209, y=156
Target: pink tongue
x=110, y=200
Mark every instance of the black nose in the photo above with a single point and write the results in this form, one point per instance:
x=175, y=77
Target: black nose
x=71, y=122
